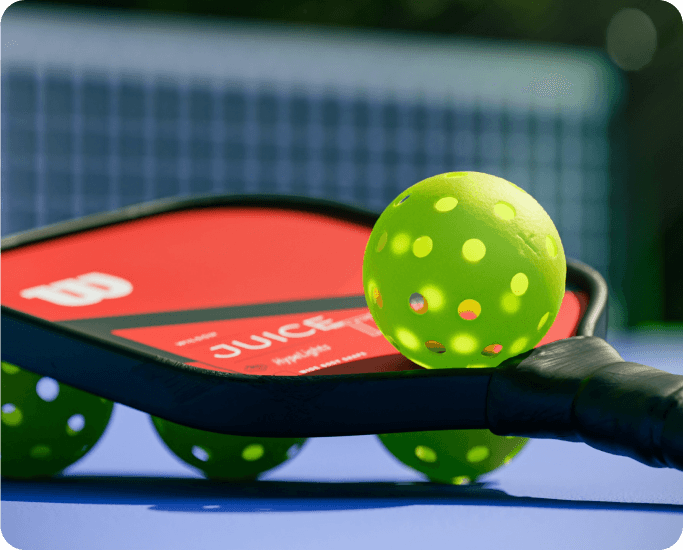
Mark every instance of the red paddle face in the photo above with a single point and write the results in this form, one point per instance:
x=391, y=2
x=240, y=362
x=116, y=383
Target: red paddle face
x=252, y=290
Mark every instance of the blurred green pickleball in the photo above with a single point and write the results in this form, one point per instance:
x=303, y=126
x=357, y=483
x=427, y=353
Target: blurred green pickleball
x=456, y=457
x=464, y=269
x=227, y=457
x=46, y=425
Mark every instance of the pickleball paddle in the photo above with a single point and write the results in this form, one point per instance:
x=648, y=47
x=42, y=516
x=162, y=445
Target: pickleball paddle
x=245, y=315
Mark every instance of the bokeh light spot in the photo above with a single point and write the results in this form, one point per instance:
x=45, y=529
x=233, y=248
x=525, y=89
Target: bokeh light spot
x=464, y=343
x=433, y=296
x=407, y=338
x=400, y=244
x=631, y=39
x=40, y=451
x=510, y=303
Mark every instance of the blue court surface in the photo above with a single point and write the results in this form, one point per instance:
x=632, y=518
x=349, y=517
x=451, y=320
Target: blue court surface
x=349, y=492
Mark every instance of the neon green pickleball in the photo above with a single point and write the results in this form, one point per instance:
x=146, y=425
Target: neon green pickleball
x=46, y=425
x=464, y=269
x=458, y=457
x=227, y=457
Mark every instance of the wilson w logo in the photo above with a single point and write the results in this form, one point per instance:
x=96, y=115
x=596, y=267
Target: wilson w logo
x=83, y=290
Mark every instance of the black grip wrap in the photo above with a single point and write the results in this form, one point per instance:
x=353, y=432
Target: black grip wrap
x=580, y=389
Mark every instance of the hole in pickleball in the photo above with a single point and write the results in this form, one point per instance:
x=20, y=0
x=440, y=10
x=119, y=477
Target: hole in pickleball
x=293, y=450
x=200, y=453
x=418, y=303
x=402, y=200
x=436, y=347
x=47, y=389
x=469, y=309
x=377, y=297
x=422, y=246
x=11, y=415
x=551, y=246
x=253, y=452
x=477, y=454
x=75, y=424
x=504, y=210
x=425, y=454
x=543, y=320
x=492, y=349
x=382, y=241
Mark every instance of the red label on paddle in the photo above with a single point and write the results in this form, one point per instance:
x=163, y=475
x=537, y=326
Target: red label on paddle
x=285, y=345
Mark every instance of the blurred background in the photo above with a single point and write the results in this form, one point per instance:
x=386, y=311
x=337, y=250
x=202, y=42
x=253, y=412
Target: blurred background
x=578, y=102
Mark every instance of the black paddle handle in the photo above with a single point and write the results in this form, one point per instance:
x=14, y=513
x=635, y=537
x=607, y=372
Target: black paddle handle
x=580, y=389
